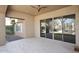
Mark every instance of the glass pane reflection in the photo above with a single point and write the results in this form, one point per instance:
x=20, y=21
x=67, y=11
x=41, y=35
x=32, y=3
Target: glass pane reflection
x=68, y=26
x=57, y=28
x=58, y=25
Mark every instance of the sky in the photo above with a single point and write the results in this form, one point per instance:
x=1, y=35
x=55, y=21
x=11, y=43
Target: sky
x=7, y=21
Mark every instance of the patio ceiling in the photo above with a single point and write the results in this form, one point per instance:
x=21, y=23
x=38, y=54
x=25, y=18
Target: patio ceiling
x=33, y=11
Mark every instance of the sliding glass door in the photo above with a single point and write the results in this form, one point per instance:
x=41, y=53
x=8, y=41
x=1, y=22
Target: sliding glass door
x=57, y=29
x=42, y=28
x=69, y=28
x=64, y=28
x=49, y=28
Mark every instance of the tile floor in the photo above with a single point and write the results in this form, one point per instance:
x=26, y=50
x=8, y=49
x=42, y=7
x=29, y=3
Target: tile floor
x=37, y=45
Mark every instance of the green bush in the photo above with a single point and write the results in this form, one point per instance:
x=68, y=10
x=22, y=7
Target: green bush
x=10, y=29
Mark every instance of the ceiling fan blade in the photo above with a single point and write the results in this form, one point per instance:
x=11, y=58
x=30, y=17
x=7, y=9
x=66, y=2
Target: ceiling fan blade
x=43, y=7
x=39, y=9
x=34, y=7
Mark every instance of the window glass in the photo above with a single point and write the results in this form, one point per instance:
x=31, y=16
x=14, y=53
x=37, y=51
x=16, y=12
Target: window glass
x=68, y=26
x=58, y=25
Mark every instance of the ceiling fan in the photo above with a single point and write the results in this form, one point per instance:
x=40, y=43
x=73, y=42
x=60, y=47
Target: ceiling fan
x=38, y=7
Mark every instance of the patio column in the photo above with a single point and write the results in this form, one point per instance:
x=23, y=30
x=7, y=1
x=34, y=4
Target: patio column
x=2, y=24
x=77, y=29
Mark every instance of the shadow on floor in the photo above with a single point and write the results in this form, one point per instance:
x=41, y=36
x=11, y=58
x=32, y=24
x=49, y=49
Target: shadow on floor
x=10, y=38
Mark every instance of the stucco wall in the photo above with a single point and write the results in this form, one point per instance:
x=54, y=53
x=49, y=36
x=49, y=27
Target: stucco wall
x=77, y=28
x=61, y=12
x=28, y=23
x=2, y=25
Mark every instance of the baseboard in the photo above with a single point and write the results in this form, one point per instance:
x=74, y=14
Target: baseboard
x=76, y=48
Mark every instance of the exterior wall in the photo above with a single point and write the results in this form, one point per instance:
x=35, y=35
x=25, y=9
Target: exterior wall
x=60, y=12
x=2, y=25
x=28, y=23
